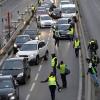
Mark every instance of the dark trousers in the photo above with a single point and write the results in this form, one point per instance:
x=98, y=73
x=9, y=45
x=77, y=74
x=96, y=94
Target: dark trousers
x=52, y=89
x=57, y=42
x=54, y=70
x=77, y=52
x=64, y=81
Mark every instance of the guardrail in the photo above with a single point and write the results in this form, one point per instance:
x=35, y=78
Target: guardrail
x=89, y=87
x=22, y=25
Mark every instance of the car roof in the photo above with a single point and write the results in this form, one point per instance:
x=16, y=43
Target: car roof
x=5, y=76
x=15, y=58
x=32, y=42
x=63, y=18
x=68, y=5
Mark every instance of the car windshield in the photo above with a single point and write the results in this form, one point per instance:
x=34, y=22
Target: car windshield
x=62, y=21
x=12, y=64
x=68, y=10
x=45, y=18
x=30, y=32
x=22, y=39
x=29, y=47
x=62, y=27
x=5, y=83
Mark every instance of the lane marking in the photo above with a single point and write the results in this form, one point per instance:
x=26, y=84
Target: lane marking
x=27, y=97
x=40, y=68
x=32, y=87
x=36, y=77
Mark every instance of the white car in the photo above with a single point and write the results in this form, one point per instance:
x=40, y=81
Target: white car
x=68, y=10
x=45, y=21
x=34, y=50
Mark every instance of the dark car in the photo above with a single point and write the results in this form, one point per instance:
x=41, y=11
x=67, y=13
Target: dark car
x=18, y=68
x=8, y=88
x=34, y=34
x=21, y=39
x=61, y=31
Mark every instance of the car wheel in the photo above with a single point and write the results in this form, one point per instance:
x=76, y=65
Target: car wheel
x=46, y=55
x=37, y=60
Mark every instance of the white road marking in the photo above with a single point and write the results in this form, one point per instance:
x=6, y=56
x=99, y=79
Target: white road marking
x=36, y=77
x=40, y=68
x=32, y=87
x=27, y=97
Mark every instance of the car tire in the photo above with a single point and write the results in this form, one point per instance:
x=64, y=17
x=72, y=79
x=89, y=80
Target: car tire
x=46, y=55
x=37, y=60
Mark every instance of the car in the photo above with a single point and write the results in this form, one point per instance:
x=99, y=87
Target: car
x=64, y=2
x=21, y=39
x=9, y=89
x=44, y=21
x=33, y=51
x=62, y=21
x=18, y=67
x=33, y=33
x=61, y=31
x=68, y=10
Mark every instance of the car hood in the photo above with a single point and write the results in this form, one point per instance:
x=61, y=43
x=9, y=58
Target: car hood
x=28, y=53
x=68, y=15
x=47, y=21
x=6, y=91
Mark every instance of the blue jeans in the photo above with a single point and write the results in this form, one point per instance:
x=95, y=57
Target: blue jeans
x=94, y=77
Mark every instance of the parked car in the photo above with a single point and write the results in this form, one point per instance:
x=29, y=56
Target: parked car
x=18, y=68
x=21, y=39
x=45, y=21
x=33, y=51
x=33, y=33
x=8, y=88
x=61, y=31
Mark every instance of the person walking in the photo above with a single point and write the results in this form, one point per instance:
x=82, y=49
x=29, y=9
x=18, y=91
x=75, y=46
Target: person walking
x=54, y=63
x=76, y=46
x=33, y=10
x=52, y=82
x=62, y=68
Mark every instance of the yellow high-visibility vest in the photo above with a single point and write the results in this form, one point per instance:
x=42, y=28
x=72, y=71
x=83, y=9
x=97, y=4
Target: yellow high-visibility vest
x=71, y=31
x=76, y=43
x=62, y=68
x=33, y=8
x=52, y=80
x=53, y=62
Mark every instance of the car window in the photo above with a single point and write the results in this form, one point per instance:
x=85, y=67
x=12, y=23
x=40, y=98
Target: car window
x=41, y=44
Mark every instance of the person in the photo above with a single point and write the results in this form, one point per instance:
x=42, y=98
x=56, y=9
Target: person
x=15, y=49
x=52, y=82
x=93, y=72
x=92, y=46
x=62, y=68
x=33, y=10
x=52, y=7
x=39, y=2
x=76, y=46
x=54, y=63
x=71, y=32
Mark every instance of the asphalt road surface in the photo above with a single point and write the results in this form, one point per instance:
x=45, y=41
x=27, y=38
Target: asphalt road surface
x=34, y=90
x=90, y=11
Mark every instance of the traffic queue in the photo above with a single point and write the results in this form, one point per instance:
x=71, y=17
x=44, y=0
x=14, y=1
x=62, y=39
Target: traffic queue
x=29, y=49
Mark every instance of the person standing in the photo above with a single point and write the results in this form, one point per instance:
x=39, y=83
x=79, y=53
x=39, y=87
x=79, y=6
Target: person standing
x=62, y=68
x=52, y=82
x=54, y=63
x=76, y=46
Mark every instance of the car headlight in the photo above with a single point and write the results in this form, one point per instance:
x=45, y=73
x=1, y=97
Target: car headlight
x=12, y=98
x=20, y=74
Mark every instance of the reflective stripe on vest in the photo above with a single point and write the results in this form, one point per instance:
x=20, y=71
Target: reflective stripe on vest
x=52, y=80
x=53, y=62
x=62, y=68
x=76, y=43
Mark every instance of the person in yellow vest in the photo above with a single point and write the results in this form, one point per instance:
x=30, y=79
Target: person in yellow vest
x=62, y=69
x=71, y=32
x=54, y=63
x=52, y=82
x=76, y=46
x=33, y=10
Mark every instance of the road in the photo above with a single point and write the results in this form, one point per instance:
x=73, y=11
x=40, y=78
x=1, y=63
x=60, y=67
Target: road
x=90, y=12
x=34, y=90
